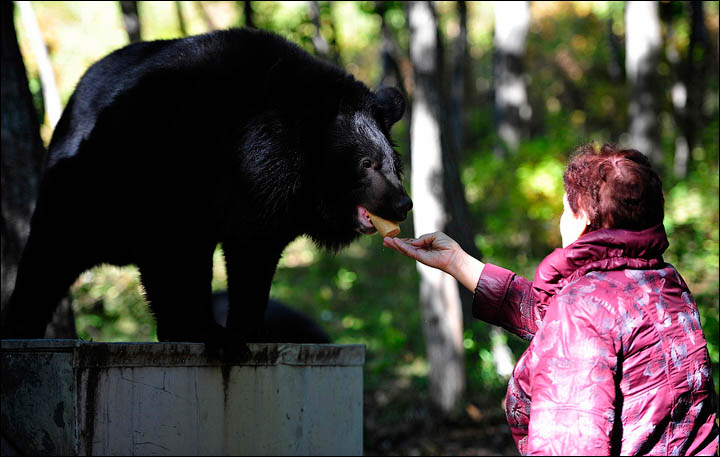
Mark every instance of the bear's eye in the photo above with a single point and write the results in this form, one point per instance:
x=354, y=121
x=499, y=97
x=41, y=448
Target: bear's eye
x=367, y=163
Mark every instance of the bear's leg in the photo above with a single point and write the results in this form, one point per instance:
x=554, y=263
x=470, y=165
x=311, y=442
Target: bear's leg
x=53, y=258
x=179, y=291
x=250, y=270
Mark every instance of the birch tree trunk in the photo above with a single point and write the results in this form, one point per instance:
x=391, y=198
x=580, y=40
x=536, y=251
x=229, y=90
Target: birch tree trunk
x=439, y=299
x=512, y=109
x=642, y=55
x=51, y=97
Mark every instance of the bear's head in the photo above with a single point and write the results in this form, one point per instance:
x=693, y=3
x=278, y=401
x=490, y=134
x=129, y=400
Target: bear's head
x=362, y=170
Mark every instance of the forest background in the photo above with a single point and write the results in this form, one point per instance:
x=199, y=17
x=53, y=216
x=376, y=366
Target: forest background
x=567, y=68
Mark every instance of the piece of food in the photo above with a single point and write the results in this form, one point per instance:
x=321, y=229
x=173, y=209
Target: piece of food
x=384, y=226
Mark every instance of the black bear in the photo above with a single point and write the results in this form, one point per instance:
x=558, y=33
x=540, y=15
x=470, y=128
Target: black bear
x=167, y=148
x=282, y=323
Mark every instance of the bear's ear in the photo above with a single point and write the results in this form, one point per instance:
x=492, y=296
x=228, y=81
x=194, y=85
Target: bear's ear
x=391, y=105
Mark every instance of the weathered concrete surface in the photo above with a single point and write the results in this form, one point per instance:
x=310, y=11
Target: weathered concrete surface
x=73, y=397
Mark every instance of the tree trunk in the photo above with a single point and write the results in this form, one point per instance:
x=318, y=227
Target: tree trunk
x=22, y=158
x=180, y=18
x=51, y=97
x=459, y=222
x=512, y=109
x=390, y=75
x=248, y=14
x=616, y=65
x=391, y=58
x=322, y=48
x=642, y=55
x=439, y=299
x=512, y=115
x=689, y=90
x=456, y=107
x=62, y=325
x=131, y=20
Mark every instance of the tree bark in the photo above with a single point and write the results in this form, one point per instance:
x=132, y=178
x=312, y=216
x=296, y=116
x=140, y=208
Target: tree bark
x=131, y=21
x=616, y=65
x=459, y=221
x=248, y=14
x=390, y=54
x=512, y=110
x=22, y=158
x=393, y=60
x=180, y=18
x=439, y=299
x=51, y=97
x=689, y=90
x=642, y=55
x=456, y=107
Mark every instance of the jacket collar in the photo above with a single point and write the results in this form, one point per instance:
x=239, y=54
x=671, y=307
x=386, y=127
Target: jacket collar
x=603, y=250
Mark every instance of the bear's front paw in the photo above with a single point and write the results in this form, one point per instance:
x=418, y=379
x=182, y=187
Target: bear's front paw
x=227, y=346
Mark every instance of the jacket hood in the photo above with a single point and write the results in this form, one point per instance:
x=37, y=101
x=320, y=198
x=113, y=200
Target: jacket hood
x=600, y=250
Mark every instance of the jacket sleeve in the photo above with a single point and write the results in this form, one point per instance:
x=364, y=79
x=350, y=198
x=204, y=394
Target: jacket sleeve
x=505, y=299
x=573, y=380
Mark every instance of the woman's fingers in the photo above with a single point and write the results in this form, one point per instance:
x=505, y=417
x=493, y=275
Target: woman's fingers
x=425, y=240
x=389, y=243
x=393, y=243
x=402, y=247
x=405, y=248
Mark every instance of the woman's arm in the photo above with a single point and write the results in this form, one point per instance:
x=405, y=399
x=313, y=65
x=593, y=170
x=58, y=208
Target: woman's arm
x=439, y=251
x=501, y=297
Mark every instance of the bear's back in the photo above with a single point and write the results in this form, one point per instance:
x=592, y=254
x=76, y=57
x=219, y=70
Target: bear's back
x=246, y=53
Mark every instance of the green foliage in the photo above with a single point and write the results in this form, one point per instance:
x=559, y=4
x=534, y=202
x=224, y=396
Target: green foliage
x=366, y=294
x=110, y=306
x=691, y=221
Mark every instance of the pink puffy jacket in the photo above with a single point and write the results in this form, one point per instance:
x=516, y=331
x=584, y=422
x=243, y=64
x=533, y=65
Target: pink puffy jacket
x=617, y=363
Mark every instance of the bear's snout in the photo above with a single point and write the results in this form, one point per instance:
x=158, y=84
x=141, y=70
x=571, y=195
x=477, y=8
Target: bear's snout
x=402, y=207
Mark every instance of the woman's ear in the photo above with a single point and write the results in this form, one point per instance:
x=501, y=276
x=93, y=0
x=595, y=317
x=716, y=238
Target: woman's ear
x=573, y=225
x=584, y=217
x=581, y=215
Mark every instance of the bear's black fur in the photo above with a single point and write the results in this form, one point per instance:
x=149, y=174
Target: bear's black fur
x=282, y=323
x=167, y=148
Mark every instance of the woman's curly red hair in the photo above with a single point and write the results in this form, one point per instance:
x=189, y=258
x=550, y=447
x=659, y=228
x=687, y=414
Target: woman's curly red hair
x=617, y=188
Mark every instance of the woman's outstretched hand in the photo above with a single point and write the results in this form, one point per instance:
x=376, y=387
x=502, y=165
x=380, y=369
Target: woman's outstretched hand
x=439, y=251
x=435, y=250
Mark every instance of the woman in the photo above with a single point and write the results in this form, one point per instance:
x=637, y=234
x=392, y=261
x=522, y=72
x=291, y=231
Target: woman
x=617, y=362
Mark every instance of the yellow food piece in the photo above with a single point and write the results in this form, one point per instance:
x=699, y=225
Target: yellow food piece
x=385, y=227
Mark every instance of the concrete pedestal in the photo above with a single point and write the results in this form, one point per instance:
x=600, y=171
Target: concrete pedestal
x=72, y=397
